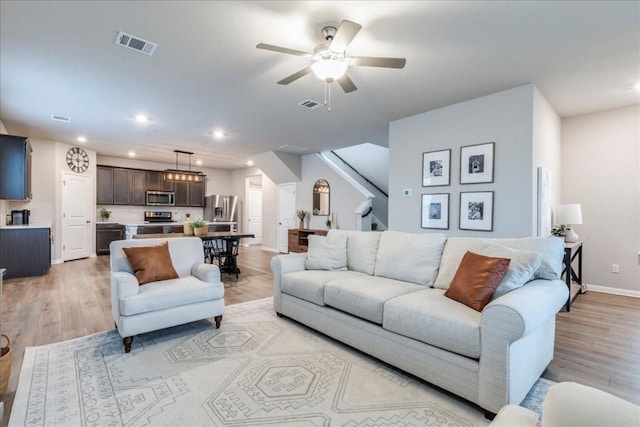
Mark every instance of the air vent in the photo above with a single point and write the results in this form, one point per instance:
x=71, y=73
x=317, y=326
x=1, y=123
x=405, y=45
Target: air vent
x=135, y=43
x=60, y=118
x=310, y=104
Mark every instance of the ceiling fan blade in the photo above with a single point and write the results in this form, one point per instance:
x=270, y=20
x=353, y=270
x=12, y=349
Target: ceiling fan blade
x=371, y=61
x=346, y=32
x=346, y=84
x=295, y=76
x=283, y=50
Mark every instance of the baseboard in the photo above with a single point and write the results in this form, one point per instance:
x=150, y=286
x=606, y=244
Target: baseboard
x=56, y=261
x=264, y=248
x=614, y=291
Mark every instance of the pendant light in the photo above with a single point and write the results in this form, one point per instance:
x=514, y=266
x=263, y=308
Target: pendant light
x=179, y=175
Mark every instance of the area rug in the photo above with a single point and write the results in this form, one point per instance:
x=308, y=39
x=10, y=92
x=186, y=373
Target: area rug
x=257, y=370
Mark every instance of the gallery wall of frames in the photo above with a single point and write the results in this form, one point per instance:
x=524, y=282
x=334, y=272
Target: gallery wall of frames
x=475, y=207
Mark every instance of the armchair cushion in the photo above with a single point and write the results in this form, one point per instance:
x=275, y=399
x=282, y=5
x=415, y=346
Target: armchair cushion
x=151, y=263
x=170, y=293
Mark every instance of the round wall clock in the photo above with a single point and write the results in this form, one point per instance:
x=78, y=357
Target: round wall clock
x=77, y=159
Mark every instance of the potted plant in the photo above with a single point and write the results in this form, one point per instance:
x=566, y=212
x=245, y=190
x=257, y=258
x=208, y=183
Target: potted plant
x=200, y=228
x=328, y=223
x=104, y=215
x=187, y=227
x=301, y=214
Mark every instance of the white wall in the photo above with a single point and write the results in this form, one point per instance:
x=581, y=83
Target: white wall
x=269, y=205
x=506, y=118
x=547, y=150
x=601, y=171
x=343, y=199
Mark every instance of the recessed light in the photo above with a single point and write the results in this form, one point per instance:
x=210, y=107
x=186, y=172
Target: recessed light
x=82, y=139
x=250, y=162
x=199, y=162
x=141, y=118
x=218, y=134
x=132, y=153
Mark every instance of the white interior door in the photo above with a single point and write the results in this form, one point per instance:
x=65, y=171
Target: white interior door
x=77, y=225
x=286, y=214
x=254, y=214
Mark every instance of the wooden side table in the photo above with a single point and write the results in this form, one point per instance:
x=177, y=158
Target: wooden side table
x=571, y=252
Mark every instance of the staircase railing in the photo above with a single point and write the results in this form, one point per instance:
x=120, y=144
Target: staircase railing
x=360, y=175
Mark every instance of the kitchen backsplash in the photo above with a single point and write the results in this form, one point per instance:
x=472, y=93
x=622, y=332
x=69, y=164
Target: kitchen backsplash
x=135, y=214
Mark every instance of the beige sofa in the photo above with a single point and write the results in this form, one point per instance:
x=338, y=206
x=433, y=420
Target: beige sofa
x=383, y=293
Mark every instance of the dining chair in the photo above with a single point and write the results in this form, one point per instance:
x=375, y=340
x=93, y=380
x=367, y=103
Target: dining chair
x=225, y=251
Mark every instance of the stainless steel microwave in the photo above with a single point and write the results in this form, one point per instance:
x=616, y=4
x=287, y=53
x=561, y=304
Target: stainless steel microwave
x=161, y=198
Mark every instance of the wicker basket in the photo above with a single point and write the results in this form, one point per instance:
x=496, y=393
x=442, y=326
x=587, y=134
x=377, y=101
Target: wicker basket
x=5, y=364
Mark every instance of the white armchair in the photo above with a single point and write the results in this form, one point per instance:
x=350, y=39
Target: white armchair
x=573, y=405
x=196, y=294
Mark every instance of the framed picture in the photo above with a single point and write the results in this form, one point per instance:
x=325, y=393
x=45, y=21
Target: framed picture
x=476, y=210
x=476, y=163
x=436, y=168
x=435, y=211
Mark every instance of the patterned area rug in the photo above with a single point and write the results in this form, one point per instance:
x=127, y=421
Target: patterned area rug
x=257, y=370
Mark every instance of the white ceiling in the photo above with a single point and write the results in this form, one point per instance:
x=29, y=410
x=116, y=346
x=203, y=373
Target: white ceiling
x=59, y=57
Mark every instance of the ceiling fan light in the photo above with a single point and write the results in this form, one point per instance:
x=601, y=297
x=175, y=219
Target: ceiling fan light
x=329, y=69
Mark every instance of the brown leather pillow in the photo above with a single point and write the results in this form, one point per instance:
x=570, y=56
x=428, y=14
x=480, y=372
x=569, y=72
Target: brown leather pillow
x=476, y=279
x=151, y=263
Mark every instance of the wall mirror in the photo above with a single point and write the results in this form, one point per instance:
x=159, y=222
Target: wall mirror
x=321, y=197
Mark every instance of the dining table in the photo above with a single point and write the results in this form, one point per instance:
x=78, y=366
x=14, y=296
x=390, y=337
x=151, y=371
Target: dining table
x=231, y=237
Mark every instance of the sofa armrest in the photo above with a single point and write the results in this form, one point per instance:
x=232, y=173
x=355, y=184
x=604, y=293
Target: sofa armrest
x=206, y=272
x=282, y=264
x=124, y=284
x=517, y=333
x=523, y=310
x=515, y=416
x=572, y=404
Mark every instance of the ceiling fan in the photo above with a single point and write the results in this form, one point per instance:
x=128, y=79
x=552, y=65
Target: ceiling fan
x=330, y=62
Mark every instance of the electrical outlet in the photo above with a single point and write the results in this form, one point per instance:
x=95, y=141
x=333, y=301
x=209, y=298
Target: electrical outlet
x=615, y=268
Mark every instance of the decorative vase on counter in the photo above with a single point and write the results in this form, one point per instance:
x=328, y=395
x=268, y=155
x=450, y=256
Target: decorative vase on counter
x=187, y=229
x=201, y=231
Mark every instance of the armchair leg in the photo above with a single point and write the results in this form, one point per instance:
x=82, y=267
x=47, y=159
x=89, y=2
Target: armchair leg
x=127, y=341
x=218, y=320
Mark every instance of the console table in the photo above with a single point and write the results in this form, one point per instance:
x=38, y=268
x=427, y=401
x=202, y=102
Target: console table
x=299, y=238
x=571, y=252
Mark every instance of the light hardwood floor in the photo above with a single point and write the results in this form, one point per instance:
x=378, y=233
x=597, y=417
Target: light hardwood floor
x=597, y=343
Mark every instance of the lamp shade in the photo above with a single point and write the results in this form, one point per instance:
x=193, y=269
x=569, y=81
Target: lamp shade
x=329, y=69
x=570, y=214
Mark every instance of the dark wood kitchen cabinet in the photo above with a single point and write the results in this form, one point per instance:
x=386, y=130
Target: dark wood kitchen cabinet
x=124, y=186
x=138, y=187
x=104, y=185
x=25, y=251
x=189, y=194
x=15, y=168
x=156, y=182
x=107, y=233
x=122, y=181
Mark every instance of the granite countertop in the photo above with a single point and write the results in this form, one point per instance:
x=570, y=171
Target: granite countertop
x=141, y=224
x=18, y=227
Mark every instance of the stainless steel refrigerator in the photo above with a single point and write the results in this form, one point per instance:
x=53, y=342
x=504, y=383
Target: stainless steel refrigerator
x=219, y=208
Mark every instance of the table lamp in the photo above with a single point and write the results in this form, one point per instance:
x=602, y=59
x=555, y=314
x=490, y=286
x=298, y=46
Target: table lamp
x=569, y=215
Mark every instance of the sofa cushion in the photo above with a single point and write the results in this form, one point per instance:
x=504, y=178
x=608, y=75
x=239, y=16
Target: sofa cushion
x=327, y=252
x=309, y=284
x=551, y=248
x=430, y=317
x=522, y=268
x=170, y=293
x=477, y=278
x=151, y=263
x=364, y=296
x=409, y=257
x=362, y=247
